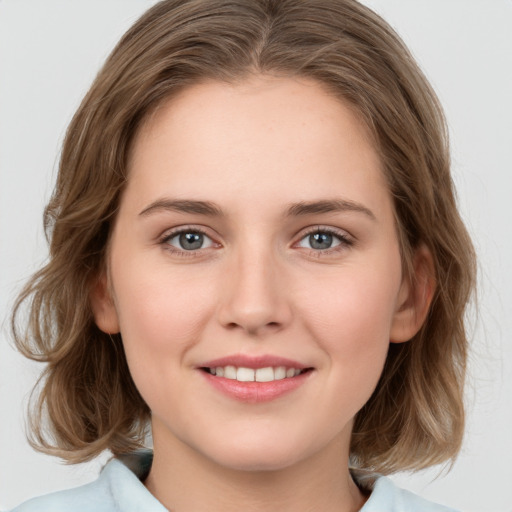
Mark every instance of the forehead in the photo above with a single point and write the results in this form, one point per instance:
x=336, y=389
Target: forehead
x=296, y=107
x=269, y=136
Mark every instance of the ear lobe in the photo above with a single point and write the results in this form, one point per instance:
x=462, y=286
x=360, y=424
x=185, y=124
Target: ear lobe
x=103, y=307
x=415, y=296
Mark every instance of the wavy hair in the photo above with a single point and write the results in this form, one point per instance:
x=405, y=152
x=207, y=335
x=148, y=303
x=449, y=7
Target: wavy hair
x=86, y=399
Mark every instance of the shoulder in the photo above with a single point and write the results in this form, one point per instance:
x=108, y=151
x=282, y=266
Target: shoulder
x=118, y=488
x=387, y=497
x=93, y=496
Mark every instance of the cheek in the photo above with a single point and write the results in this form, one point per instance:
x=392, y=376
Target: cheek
x=352, y=329
x=152, y=316
x=357, y=306
x=353, y=325
x=161, y=316
x=160, y=324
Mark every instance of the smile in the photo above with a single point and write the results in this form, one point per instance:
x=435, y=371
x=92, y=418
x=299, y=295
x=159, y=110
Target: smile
x=255, y=379
x=267, y=374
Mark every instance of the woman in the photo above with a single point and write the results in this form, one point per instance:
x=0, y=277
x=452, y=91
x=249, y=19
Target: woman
x=251, y=189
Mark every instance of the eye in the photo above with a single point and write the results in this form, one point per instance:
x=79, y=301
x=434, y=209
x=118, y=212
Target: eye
x=324, y=239
x=188, y=240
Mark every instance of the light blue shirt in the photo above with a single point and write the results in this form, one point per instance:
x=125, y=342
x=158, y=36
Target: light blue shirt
x=119, y=489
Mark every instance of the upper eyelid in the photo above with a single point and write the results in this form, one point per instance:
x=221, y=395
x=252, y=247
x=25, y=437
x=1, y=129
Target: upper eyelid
x=171, y=232
x=343, y=233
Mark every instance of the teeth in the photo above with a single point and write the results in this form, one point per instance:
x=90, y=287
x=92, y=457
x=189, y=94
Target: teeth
x=245, y=374
x=279, y=373
x=230, y=372
x=267, y=374
x=264, y=375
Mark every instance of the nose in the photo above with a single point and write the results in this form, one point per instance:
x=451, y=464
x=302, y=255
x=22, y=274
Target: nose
x=255, y=297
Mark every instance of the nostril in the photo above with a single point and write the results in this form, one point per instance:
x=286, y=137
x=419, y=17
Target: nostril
x=253, y=329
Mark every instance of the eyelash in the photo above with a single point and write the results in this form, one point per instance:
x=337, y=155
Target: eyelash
x=164, y=241
x=345, y=241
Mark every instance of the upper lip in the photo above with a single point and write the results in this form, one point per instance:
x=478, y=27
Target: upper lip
x=254, y=362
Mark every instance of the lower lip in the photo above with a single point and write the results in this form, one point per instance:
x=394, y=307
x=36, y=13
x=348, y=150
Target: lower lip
x=256, y=392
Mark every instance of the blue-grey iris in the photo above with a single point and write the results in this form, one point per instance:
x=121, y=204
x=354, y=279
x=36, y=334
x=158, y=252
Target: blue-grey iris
x=320, y=240
x=191, y=241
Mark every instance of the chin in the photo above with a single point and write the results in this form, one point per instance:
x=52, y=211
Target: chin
x=259, y=455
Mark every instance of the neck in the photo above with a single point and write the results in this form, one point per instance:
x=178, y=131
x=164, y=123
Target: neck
x=184, y=480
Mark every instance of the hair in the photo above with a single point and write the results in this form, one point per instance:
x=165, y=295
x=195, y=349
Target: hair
x=87, y=401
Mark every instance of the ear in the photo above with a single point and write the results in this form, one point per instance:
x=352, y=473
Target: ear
x=414, y=298
x=103, y=307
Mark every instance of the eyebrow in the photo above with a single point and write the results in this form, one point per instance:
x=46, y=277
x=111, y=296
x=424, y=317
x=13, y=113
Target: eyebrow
x=183, y=206
x=328, y=206
x=301, y=208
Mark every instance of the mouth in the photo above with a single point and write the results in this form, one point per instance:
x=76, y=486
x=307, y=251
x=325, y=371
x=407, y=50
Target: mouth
x=265, y=374
x=255, y=379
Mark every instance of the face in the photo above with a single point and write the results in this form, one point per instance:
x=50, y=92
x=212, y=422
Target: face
x=255, y=272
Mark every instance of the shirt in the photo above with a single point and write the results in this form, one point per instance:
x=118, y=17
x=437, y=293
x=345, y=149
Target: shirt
x=119, y=488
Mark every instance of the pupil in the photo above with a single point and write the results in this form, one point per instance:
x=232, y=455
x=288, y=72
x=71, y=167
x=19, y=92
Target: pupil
x=320, y=240
x=191, y=241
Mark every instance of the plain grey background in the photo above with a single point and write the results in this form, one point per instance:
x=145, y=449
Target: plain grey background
x=49, y=53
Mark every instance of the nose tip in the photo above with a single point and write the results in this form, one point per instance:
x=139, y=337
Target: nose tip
x=254, y=325
x=255, y=299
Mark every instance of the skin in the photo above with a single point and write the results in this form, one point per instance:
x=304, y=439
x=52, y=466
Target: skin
x=255, y=287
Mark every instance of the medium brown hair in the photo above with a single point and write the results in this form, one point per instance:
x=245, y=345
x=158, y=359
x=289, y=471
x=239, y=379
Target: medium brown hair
x=87, y=401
